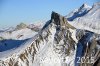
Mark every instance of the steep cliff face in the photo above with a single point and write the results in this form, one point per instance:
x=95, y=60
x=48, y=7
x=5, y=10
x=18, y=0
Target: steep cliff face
x=57, y=44
x=88, y=48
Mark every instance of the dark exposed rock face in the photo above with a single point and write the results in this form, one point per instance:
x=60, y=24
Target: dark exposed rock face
x=62, y=34
x=87, y=41
x=60, y=20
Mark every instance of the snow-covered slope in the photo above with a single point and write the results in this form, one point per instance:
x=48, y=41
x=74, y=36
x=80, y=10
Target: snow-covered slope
x=18, y=34
x=56, y=44
x=89, y=21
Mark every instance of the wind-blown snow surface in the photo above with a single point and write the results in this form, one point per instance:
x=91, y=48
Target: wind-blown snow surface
x=90, y=20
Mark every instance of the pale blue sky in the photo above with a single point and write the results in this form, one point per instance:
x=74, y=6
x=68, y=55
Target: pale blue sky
x=12, y=12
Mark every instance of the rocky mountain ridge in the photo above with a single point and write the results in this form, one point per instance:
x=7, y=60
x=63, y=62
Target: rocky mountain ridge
x=56, y=44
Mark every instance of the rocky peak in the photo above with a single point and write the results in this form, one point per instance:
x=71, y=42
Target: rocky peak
x=84, y=6
x=59, y=20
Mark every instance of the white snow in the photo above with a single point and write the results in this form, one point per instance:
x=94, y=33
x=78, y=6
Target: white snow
x=73, y=32
x=18, y=34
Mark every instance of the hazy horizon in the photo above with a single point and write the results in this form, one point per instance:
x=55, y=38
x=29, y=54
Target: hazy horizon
x=13, y=12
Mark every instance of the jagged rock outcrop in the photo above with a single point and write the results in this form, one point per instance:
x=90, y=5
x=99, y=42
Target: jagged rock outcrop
x=57, y=44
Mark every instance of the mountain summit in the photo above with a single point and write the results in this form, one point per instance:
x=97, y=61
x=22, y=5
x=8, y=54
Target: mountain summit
x=60, y=20
x=85, y=6
x=84, y=9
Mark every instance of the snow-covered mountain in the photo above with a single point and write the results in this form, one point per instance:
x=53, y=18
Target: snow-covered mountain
x=84, y=9
x=89, y=21
x=21, y=31
x=74, y=41
x=56, y=44
x=13, y=37
x=18, y=34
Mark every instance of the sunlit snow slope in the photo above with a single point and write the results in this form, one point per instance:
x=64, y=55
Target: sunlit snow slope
x=89, y=19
